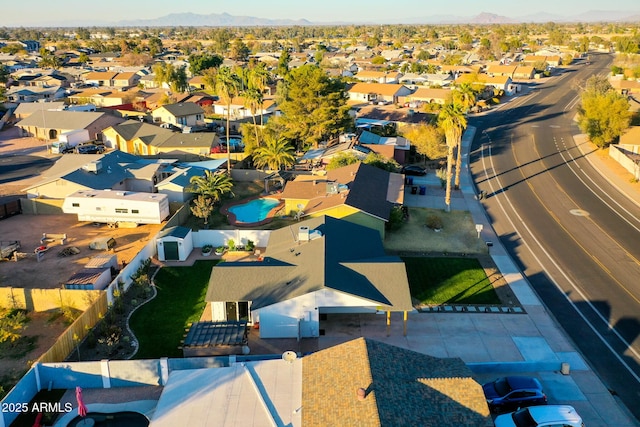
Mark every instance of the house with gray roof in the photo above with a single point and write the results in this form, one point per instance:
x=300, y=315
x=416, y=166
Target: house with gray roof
x=318, y=266
x=50, y=124
x=182, y=114
x=114, y=170
x=359, y=193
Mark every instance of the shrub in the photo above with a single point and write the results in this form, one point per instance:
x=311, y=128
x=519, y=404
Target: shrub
x=231, y=244
x=434, y=222
x=250, y=245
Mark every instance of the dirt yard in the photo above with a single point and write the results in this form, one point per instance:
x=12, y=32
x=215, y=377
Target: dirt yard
x=53, y=270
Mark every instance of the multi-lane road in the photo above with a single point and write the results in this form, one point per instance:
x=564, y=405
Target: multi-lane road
x=573, y=233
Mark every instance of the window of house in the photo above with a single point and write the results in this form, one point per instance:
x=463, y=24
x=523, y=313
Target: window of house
x=135, y=211
x=75, y=205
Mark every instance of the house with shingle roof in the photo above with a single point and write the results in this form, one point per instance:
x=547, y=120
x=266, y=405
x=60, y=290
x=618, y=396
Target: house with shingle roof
x=100, y=78
x=50, y=124
x=139, y=138
x=359, y=193
x=400, y=388
x=373, y=76
x=181, y=114
x=318, y=266
x=377, y=92
x=114, y=170
x=25, y=109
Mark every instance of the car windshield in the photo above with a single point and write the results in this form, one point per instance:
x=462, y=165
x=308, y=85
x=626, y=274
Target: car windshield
x=523, y=418
x=502, y=386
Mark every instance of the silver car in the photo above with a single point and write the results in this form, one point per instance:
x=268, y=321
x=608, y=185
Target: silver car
x=541, y=416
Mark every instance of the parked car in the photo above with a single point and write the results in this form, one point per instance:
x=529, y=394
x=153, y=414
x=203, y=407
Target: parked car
x=541, y=416
x=414, y=170
x=509, y=393
x=89, y=149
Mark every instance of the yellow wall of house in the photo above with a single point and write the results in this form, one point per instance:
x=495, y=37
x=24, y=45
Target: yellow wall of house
x=345, y=212
x=291, y=205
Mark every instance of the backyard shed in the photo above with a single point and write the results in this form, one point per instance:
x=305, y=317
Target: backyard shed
x=174, y=244
x=90, y=279
x=215, y=339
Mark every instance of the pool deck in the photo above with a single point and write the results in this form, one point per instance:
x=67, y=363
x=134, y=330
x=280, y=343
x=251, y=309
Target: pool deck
x=231, y=217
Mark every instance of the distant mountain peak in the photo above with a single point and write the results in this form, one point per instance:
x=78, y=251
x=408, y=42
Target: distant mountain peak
x=491, y=18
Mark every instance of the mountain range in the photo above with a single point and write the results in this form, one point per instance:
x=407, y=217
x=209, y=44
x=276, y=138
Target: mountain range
x=227, y=20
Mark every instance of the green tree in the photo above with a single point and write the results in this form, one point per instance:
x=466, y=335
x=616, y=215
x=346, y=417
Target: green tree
x=155, y=46
x=283, y=63
x=11, y=326
x=465, y=96
x=239, y=51
x=381, y=162
x=452, y=121
x=212, y=184
x=202, y=208
x=4, y=73
x=198, y=63
x=275, y=153
x=178, y=79
x=341, y=160
x=313, y=107
x=253, y=100
x=83, y=58
x=428, y=140
x=603, y=114
x=227, y=87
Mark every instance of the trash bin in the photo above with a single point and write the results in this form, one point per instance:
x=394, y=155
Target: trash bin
x=410, y=180
x=423, y=190
x=414, y=190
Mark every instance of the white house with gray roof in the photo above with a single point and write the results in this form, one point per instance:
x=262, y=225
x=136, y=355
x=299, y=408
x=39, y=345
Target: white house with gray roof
x=319, y=266
x=50, y=124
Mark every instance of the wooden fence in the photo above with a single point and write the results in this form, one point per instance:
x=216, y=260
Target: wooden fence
x=75, y=333
x=9, y=209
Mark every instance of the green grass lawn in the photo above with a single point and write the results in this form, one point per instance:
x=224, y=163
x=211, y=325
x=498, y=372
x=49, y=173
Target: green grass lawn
x=449, y=281
x=160, y=324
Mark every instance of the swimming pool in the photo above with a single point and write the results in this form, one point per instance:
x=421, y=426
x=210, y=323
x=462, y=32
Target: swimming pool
x=116, y=419
x=253, y=211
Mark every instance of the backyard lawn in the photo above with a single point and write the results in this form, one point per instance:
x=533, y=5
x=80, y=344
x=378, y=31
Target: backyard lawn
x=437, y=280
x=160, y=324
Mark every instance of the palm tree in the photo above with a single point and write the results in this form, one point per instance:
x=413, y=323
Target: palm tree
x=453, y=121
x=227, y=87
x=274, y=154
x=212, y=185
x=465, y=95
x=258, y=79
x=253, y=99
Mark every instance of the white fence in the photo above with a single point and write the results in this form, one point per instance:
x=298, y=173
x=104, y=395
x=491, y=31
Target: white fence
x=221, y=237
x=621, y=153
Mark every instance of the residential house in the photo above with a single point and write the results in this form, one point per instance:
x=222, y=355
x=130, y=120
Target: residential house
x=177, y=179
x=140, y=138
x=359, y=193
x=625, y=87
x=100, y=78
x=25, y=109
x=399, y=387
x=125, y=80
x=378, y=76
x=181, y=114
x=319, y=266
x=394, y=147
x=377, y=93
x=197, y=83
x=238, y=109
x=429, y=96
x=551, y=60
x=114, y=170
x=524, y=72
x=501, y=70
x=50, y=124
x=100, y=97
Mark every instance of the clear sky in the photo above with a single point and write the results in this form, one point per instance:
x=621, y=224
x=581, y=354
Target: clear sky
x=32, y=12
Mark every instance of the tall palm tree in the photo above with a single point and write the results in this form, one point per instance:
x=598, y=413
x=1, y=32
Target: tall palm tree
x=465, y=95
x=212, y=185
x=227, y=87
x=253, y=99
x=274, y=153
x=452, y=121
x=258, y=79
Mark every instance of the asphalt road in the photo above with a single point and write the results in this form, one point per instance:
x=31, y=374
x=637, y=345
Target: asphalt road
x=574, y=235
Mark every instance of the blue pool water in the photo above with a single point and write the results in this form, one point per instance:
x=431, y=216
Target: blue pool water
x=254, y=211
x=118, y=419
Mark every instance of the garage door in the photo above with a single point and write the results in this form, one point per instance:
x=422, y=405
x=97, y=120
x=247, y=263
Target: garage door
x=171, y=251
